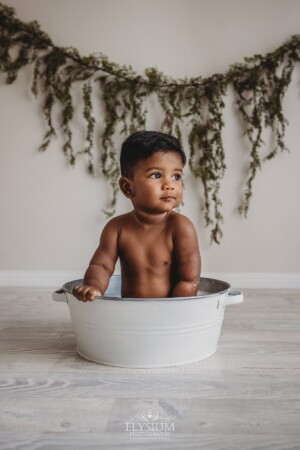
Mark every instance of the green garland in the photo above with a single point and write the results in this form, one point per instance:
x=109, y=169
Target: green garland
x=259, y=83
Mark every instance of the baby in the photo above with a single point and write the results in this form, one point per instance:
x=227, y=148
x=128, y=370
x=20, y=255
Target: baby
x=157, y=247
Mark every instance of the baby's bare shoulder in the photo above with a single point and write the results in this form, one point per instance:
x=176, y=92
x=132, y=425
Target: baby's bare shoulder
x=112, y=229
x=118, y=221
x=181, y=224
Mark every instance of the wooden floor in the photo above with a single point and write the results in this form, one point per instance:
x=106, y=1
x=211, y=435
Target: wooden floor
x=245, y=396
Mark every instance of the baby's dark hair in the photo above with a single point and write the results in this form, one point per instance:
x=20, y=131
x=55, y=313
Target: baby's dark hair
x=142, y=144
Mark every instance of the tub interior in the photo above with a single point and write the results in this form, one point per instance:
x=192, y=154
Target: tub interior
x=208, y=287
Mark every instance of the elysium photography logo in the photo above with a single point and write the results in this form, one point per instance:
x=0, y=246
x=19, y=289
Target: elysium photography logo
x=150, y=425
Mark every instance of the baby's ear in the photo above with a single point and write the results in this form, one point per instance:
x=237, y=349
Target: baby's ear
x=126, y=187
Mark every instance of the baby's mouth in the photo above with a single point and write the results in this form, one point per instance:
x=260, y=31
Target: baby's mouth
x=168, y=197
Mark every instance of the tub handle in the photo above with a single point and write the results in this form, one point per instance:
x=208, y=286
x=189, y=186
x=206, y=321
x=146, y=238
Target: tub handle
x=59, y=296
x=234, y=297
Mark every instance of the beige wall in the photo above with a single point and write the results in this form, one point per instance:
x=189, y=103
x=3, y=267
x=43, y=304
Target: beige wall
x=51, y=214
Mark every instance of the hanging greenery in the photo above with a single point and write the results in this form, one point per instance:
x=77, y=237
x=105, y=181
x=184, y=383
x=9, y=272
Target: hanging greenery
x=260, y=83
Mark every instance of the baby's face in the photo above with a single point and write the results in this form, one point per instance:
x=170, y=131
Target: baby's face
x=157, y=183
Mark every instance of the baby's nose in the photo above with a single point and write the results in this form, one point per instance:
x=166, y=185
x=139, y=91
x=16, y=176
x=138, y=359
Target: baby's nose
x=168, y=185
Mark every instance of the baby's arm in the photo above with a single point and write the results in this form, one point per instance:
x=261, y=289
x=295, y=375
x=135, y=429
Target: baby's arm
x=187, y=262
x=102, y=265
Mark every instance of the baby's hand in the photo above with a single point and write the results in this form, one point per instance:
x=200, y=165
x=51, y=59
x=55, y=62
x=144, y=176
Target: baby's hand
x=85, y=293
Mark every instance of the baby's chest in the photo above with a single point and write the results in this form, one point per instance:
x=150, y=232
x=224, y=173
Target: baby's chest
x=141, y=251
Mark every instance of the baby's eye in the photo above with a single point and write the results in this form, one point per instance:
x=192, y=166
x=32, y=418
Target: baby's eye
x=155, y=175
x=176, y=176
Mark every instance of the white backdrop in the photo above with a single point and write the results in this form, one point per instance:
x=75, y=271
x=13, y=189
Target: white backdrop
x=51, y=213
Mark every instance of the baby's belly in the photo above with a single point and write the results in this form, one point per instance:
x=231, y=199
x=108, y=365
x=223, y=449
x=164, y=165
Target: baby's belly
x=146, y=285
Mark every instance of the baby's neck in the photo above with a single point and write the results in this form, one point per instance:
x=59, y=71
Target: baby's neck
x=148, y=220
